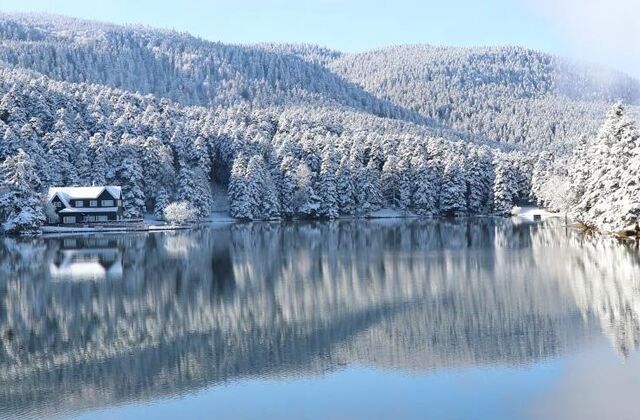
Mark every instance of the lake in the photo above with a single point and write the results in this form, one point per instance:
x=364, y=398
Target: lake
x=471, y=318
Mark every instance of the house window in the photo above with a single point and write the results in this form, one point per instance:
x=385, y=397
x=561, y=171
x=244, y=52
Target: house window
x=107, y=203
x=93, y=203
x=102, y=218
x=69, y=219
x=119, y=203
x=90, y=218
x=57, y=204
x=79, y=203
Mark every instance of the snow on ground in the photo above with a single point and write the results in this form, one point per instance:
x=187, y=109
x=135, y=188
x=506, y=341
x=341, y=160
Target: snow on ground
x=219, y=217
x=529, y=213
x=151, y=224
x=390, y=214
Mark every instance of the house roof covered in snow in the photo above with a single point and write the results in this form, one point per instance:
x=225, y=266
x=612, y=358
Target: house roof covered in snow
x=71, y=210
x=79, y=193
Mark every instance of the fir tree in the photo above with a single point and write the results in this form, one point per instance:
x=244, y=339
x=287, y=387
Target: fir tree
x=425, y=196
x=306, y=200
x=20, y=205
x=504, y=187
x=239, y=194
x=130, y=174
x=327, y=185
x=344, y=188
x=453, y=190
x=390, y=181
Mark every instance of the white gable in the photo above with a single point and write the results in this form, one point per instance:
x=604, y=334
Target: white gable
x=77, y=193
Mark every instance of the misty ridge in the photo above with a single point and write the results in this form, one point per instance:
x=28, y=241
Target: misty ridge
x=190, y=309
x=299, y=131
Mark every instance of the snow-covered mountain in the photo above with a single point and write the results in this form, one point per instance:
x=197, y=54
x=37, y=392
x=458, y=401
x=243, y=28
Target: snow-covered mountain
x=180, y=67
x=505, y=94
x=508, y=94
x=292, y=130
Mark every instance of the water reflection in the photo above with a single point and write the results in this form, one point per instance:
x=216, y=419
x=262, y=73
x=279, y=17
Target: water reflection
x=168, y=313
x=92, y=258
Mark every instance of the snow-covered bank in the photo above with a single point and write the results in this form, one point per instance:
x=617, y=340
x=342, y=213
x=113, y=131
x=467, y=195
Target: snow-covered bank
x=219, y=217
x=151, y=224
x=531, y=213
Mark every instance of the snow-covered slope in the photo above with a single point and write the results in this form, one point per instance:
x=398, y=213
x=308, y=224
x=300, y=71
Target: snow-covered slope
x=177, y=66
x=298, y=130
x=508, y=94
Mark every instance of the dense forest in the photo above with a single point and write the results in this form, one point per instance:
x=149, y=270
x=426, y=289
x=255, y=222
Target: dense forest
x=298, y=131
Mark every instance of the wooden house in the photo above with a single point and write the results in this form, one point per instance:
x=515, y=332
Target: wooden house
x=74, y=205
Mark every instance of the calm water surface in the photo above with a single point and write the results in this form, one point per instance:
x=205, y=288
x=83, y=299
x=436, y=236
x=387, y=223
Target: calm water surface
x=474, y=318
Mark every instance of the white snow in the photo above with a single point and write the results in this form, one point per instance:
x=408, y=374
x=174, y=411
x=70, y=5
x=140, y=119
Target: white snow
x=529, y=213
x=72, y=193
x=89, y=210
x=220, y=217
x=388, y=213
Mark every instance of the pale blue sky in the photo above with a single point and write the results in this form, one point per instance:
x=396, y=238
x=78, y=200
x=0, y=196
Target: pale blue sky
x=557, y=26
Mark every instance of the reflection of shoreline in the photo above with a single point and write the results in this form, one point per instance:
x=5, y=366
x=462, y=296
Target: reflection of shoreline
x=603, y=276
x=272, y=300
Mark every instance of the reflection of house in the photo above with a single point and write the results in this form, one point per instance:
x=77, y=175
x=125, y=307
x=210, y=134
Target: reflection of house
x=86, y=263
x=86, y=204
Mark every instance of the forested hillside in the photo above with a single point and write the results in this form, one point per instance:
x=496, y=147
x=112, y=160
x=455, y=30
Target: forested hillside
x=291, y=131
x=177, y=66
x=508, y=94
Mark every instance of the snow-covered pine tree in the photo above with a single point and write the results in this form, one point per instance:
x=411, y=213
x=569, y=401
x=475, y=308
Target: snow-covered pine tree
x=367, y=192
x=10, y=142
x=131, y=178
x=344, y=186
x=479, y=178
x=60, y=151
x=98, y=160
x=327, y=185
x=187, y=187
x=579, y=169
x=542, y=172
x=287, y=185
x=606, y=203
x=264, y=199
x=20, y=204
x=306, y=199
x=238, y=191
x=424, y=200
x=623, y=177
x=374, y=189
x=82, y=163
x=162, y=200
x=505, y=188
x=406, y=183
x=453, y=190
x=390, y=181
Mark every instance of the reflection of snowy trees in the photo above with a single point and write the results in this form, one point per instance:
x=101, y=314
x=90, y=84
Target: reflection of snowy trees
x=205, y=306
x=603, y=276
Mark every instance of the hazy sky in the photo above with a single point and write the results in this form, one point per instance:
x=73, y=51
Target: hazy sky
x=606, y=31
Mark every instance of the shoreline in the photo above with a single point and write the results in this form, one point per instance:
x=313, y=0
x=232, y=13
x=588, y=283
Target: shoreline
x=222, y=217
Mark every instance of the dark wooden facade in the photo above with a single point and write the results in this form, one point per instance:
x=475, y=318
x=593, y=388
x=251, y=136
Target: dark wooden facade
x=98, y=209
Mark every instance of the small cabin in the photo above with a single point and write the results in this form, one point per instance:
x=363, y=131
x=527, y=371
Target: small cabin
x=73, y=205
